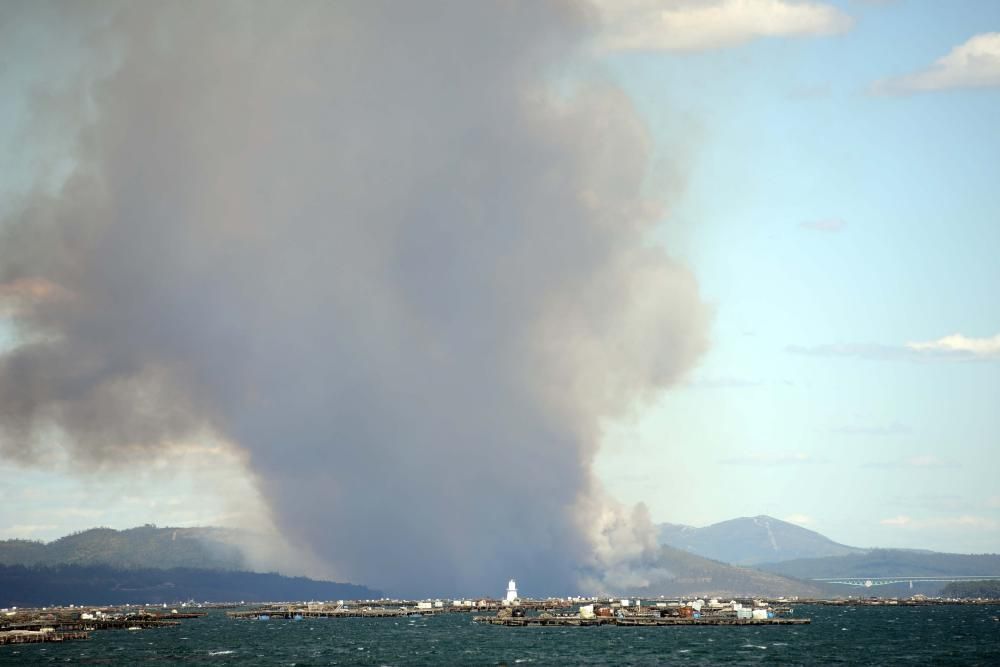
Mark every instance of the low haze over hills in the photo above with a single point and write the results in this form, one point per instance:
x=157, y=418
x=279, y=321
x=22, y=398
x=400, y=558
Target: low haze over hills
x=149, y=548
x=149, y=561
x=782, y=548
x=689, y=574
x=752, y=540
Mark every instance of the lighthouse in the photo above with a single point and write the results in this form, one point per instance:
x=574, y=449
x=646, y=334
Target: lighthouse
x=511, y=592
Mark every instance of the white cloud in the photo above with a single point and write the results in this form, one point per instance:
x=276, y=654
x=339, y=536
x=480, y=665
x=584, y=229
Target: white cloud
x=828, y=225
x=901, y=520
x=762, y=459
x=893, y=429
x=955, y=347
x=722, y=383
x=958, y=344
x=800, y=519
x=974, y=64
x=27, y=531
x=696, y=25
x=918, y=461
x=938, y=523
x=925, y=461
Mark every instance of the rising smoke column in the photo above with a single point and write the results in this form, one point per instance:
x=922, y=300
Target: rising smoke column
x=394, y=252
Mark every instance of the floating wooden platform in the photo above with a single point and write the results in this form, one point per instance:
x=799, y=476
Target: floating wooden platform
x=535, y=621
x=332, y=613
x=93, y=624
x=31, y=637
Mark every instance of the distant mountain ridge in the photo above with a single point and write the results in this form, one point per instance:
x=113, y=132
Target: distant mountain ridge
x=145, y=547
x=752, y=540
x=889, y=563
x=778, y=547
x=149, y=564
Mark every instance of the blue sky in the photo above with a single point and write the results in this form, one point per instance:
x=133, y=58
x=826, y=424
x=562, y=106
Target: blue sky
x=836, y=194
x=819, y=213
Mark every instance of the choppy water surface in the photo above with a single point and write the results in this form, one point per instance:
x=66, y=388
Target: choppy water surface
x=959, y=635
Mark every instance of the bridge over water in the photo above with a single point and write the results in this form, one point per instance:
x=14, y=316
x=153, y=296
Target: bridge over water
x=868, y=582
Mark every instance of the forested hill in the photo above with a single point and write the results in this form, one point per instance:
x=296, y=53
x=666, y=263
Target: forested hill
x=143, y=547
x=989, y=589
x=889, y=563
x=100, y=584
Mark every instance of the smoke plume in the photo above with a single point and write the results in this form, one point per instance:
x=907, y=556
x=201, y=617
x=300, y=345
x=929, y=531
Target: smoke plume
x=397, y=253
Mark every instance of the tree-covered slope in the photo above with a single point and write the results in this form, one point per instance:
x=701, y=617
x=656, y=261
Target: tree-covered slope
x=142, y=547
x=100, y=584
x=989, y=589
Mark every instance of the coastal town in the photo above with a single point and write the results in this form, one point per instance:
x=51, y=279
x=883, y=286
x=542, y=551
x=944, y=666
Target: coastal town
x=77, y=622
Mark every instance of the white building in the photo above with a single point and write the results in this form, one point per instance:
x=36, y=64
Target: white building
x=511, y=591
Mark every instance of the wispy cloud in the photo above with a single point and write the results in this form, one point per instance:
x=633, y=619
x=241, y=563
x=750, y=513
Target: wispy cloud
x=800, y=519
x=972, y=64
x=928, y=461
x=938, y=523
x=722, y=383
x=763, y=459
x=873, y=351
x=893, y=429
x=901, y=520
x=935, y=502
x=27, y=531
x=829, y=225
x=957, y=344
x=810, y=92
x=916, y=461
x=955, y=347
x=698, y=25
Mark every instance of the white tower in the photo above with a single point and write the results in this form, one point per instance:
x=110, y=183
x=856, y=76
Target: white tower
x=511, y=591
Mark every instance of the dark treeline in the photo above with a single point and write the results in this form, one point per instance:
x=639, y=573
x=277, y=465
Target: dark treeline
x=972, y=589
x=98, y=584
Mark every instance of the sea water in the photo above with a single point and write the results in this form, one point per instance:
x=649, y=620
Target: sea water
x=937, y=635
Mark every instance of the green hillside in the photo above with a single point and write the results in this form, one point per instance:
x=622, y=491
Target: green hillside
x=989, y=589
x=144, y=547
x=101, y=584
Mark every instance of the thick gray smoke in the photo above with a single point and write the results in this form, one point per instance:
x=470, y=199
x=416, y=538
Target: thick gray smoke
x=397, y=252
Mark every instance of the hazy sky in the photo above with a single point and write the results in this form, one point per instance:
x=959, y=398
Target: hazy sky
x=830, y=172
